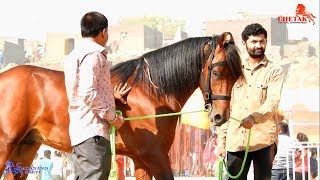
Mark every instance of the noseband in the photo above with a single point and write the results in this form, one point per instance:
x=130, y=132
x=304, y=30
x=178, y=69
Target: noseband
x=209, y=96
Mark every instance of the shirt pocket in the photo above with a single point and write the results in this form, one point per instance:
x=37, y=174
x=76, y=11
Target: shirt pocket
x=237, y=91
x=260, y=92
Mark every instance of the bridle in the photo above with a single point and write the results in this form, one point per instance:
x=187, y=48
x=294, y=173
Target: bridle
x=209, y=96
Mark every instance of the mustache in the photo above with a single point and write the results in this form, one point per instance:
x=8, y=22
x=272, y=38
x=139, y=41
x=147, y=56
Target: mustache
x=258, y=49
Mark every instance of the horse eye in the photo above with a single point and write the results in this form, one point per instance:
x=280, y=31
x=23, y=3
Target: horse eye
x=216, y=73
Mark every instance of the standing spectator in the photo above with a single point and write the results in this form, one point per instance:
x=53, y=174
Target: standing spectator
x=46, y=165
x=314, y=163
x=301, y=158
x=57, y=169
x=128, y=170
x=120, y=162
x=209, y=154
x=91, y=100
x=283, y=157
x=255, y=101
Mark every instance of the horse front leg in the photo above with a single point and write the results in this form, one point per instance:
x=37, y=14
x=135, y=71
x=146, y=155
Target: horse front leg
x=159, y=163
x=142, y=172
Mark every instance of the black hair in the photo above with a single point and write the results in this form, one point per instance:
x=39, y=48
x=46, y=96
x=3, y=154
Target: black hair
x=47, y=154
x=283, y=127
x=92, y=23
x=302, y=137
x=253, y=29
x=313, y=151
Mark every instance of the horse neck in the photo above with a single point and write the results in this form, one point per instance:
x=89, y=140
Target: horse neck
x=179, y=100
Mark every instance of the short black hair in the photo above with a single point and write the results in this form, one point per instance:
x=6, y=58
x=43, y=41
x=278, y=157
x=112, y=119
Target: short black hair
x=92, y=23
x=253, y=29
x=283, y=127
x=47, y=154
x=313, y=151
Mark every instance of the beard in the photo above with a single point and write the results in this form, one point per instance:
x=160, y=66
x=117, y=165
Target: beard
x=256, y=53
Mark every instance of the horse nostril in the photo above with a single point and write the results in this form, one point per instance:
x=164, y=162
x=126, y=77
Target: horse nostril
x=217, y=118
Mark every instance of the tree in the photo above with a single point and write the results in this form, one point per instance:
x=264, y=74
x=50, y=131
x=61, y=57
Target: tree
x=166, y=25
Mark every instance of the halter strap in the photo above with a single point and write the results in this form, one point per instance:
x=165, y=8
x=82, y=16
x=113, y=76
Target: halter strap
x=209, y=96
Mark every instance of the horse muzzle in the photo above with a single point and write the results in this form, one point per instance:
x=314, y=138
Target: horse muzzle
x=217, y=119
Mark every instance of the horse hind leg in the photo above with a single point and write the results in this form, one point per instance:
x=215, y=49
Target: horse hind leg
x=142, y=172
x=6, y=151
x=24, y=155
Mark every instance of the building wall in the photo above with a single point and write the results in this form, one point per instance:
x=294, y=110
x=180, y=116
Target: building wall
x=13, y=50
x=137, y=38
x=128, y=38
x=153, y=39
x=13, y=53
x=60, y=44
x=277, y=33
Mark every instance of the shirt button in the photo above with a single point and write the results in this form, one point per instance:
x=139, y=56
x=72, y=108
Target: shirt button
x=249, y=85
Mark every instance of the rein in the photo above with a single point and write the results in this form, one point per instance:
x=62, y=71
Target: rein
x=222, y=163
x=114, y=166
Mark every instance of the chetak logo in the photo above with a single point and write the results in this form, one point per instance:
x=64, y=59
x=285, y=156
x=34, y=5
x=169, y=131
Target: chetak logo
x=301, y=12
x=302, y=16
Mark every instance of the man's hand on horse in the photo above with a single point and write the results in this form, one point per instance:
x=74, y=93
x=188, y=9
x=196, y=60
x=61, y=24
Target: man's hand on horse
x=120, y=91
x=247, y=122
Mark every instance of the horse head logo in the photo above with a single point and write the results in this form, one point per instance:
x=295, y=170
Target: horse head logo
x=10, y=167
x=301, y=12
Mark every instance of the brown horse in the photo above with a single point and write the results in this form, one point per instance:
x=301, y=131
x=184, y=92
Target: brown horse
x=33, y=106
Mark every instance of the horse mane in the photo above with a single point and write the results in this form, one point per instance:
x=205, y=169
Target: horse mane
x=172, y=69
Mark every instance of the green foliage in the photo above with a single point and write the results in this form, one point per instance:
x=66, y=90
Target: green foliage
x=166, y=25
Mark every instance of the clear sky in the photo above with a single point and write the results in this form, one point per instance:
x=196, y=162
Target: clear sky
x=31, y=19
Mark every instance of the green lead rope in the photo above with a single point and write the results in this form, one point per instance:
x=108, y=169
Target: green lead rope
x=114, y=165
x=223, y=164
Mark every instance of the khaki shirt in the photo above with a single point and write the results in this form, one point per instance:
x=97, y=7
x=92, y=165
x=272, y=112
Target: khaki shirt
x=259, y=97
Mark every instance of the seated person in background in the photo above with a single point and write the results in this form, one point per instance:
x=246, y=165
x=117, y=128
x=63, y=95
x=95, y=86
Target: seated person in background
x=285, y=144
x=301, y=158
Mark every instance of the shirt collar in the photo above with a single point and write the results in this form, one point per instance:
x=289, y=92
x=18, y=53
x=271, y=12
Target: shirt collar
x=263, y=62
x=88, y=46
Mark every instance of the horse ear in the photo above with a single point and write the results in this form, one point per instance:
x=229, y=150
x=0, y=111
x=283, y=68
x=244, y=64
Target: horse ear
x=225, y=38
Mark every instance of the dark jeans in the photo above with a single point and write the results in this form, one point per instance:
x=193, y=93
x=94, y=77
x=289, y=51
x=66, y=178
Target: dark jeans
x=299, y=176
x=92, y=159
x=262, y=162
x=281, y=174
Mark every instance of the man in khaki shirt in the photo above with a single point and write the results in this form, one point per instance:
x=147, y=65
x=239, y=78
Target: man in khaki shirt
x=255, y=102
